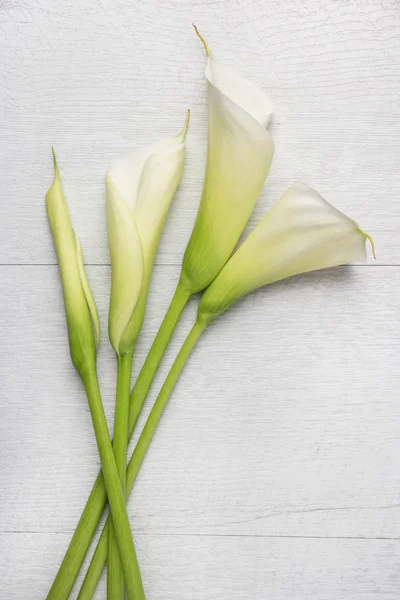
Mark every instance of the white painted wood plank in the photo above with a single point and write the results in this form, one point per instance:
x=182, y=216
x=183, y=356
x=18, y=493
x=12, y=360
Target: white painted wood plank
x=196, y=567
x=99, y=79
x=285, y=421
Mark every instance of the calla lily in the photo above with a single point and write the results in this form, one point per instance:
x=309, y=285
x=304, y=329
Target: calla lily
x=139, y=189
x=84, y=334
x=239, y=156
x=301, y=233
x=82, y=318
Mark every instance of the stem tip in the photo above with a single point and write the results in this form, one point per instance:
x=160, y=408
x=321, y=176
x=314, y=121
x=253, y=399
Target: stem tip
x=371, y=241
x=206, y=46
x=184, y=130
x=54, y=159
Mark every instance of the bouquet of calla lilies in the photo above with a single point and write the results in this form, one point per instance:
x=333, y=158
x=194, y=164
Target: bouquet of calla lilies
x=301, y=233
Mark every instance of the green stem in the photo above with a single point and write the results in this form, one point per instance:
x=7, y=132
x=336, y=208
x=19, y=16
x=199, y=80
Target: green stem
x=115, y=494
x=156, y=353
x=115, y=578
x=100, y=554
x=85, y=530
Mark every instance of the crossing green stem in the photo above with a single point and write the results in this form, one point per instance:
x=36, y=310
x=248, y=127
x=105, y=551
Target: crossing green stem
x=115, y=494
x=79, y=545
x=100, y=555
x=115, y=578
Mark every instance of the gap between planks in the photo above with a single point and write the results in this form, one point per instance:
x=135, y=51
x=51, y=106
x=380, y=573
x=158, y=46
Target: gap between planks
x=216, y=535
x=157, y=264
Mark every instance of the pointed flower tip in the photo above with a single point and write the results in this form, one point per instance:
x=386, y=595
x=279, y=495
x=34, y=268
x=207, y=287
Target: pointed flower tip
x=184, y=130
x=54, y=160
x=206, y=46
x=370, y=239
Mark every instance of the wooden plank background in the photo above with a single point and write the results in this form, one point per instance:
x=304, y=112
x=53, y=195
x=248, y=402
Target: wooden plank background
x=275, y=472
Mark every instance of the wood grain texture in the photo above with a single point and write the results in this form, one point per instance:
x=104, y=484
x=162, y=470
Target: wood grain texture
x=195, y=567
x=99, y=79
x=285, y=424
x=274, y=474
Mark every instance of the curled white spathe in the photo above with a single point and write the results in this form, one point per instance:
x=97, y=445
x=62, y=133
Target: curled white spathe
x=139, y=191
x=301, y=233
x=239, y=156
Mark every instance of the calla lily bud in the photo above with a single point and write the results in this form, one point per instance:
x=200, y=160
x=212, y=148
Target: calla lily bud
x=139, y=191
x=239, y=156
x=82, y=318
x=301, y=233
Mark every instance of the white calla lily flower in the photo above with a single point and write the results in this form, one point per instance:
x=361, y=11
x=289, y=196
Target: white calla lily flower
x=139, y=191
x=81, y=312
x=301, y=233
x=239, y=156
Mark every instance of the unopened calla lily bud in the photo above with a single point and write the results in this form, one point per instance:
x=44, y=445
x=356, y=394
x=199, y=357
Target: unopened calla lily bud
x=239, y=156
x=82, y=318
x=301, y=233
x=139, y=189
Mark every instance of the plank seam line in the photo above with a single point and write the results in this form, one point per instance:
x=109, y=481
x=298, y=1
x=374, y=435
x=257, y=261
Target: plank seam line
x=160, y=264
x=219, y=535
